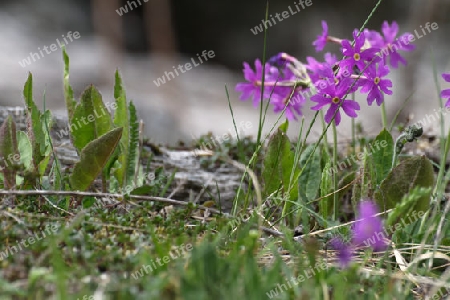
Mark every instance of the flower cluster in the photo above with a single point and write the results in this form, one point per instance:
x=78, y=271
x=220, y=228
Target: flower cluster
x=287, y=82
x=367, y=231
x=279, y=85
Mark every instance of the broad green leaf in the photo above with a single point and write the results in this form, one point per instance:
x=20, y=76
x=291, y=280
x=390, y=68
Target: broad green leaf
x=37, y=133
x=121, y=119
x=25, y=150
x=43, y=165
x=46, y=122
x=277, y=164
x=9, y=152
x=93, y=158
x=28, y=92
x=382, y=150
x=406, y=206
x=142, y=190
x=310, y=178
x=413, y=172
x=91, y=118
x=68, y=92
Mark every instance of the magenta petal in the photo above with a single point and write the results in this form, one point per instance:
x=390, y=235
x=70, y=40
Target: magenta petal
x=337, y=118
x=350, y=107
x=347, y=48
x=445, y=93
x=383, y=70
x=366, y=86
x=359, y=41
x=325, y=27
x=446, y=77
x=395, y=58
x=345, y=252
x=389, y=32
x=321, y=101
x=368, y=230
x=329, y=114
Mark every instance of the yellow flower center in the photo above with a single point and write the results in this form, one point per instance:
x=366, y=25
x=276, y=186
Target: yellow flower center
x=356, y=56
x=336, y=100
x=377, y=80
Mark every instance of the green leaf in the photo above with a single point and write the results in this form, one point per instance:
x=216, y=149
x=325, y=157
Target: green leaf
x=43, y=165
x=93, y=158
x=411, y=173
x=406, y=206
x=37, y=132
x=134, y=145
x=28, y=92
x=25, y=150
x=121, y=120
x=382, y=150
x=364, y=186
x=277, y=164
x=88, y=202
x=142, y=190
x=310, y=178
x=9, y=152
x=68, y=92
x=91, y=118
x=46, y=121
x=326, y=187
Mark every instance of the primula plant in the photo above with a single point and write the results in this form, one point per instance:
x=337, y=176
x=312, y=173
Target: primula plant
x=309, y=185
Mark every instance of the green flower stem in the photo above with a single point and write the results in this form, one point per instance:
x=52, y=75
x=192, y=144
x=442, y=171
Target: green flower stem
x=383, y=115
x=335, y=176
x=439, y=188
x=353, y=130
x=325, y=138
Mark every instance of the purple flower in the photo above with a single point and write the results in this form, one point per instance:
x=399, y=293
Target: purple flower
x=278, y=85
x=278, y=60
x=345, y=251
x=446, y=93
x=321, y=40
x=252, y=88
x=333, y=94
x=330, y=59
x=368, y=229
x=316, y=68
x=283, y=97
x=356, y=56
x=374, y=38
x=374, y=84
x=389, y=45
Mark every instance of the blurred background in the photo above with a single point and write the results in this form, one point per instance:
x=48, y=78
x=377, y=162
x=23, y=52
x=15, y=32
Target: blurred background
x=146, y=38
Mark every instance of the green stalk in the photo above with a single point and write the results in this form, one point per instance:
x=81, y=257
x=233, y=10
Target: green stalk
x=353, y=130
x=335, y=176
x=439, y=188
x=383, y=115
x=325, y=139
